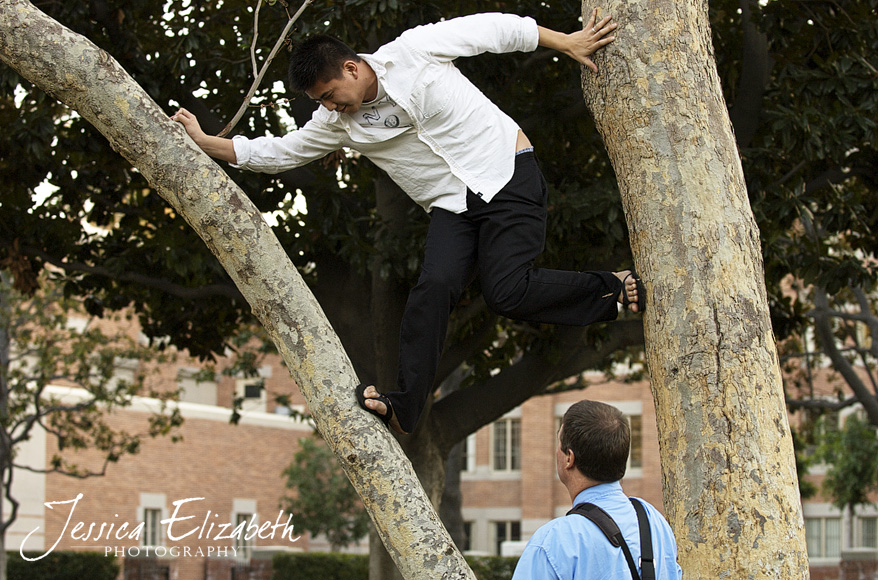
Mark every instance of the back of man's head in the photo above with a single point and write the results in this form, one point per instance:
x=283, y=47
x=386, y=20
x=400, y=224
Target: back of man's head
x=600, y=438
x=318, y=58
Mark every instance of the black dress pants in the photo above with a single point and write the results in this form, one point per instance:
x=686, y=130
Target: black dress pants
x=501, y=240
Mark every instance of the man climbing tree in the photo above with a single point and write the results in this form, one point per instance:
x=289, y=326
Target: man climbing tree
x=456, y=154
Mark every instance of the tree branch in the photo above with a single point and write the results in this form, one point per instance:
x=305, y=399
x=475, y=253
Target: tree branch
x=75, y=71
x=7, y=493
x=871, y=322
x=756, y=63
x=823, y=327
x=837, y=175
x=466, y=410
x=228, y=290
x=253, y=62
x=258, y=80
x=458, y=352
x=826, y=404
x=68, y=472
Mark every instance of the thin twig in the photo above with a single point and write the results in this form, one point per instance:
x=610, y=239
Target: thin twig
x=258, y=80
x=790, y=174
x=255, y=36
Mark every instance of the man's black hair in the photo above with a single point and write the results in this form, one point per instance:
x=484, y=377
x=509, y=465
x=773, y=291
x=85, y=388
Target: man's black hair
x=319, y=58
x=600, y=438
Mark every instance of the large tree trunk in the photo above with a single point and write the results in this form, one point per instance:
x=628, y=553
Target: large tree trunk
x=79, y=74
x=729, y=475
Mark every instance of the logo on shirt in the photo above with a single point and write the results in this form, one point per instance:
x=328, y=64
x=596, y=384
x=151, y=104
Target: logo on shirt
x=372, y=115
x=383, y=112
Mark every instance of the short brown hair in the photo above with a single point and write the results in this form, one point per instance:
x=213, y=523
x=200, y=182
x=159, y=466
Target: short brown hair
x=600, y=438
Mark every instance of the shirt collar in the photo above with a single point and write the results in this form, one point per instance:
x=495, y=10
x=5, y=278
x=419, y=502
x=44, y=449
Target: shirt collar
x=595, y=493
x=378, y=66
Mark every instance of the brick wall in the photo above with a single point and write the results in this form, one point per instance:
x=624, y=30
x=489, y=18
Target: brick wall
x=231, y=468
x=859, y=564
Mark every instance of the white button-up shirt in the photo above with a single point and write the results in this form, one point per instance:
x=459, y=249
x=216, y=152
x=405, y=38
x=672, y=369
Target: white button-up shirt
x=460, y=139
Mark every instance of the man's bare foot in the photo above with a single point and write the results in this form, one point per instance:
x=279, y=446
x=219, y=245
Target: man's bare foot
x=629, y=290
x=373, y=401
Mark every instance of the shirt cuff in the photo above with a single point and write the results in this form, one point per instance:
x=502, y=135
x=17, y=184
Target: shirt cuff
x=531, y=34
x=241, y=145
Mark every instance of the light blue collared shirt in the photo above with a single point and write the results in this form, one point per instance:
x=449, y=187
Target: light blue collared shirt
x=573, y=547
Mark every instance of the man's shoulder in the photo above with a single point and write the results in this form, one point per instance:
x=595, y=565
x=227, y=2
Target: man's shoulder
x=651, y=510
x=564, y=526
x=400, y=51
x=323, y=117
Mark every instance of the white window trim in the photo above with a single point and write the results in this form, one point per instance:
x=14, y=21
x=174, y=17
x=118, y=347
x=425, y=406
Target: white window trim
x=153, y=501
x=823, y=511
x=244, y=507
x=252, y=404
x=508, y=472
x=470, y=446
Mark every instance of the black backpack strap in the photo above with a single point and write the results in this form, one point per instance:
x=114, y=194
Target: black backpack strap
x=647, y=563
x=606, y=524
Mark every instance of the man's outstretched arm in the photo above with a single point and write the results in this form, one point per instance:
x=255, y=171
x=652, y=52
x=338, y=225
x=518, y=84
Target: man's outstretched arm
x=217, y=147
x=580, y=45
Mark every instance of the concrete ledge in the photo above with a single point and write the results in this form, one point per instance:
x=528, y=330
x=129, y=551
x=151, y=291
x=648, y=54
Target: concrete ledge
x=859, y=555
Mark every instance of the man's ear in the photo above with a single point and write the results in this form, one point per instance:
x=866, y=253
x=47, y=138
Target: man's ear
x=350, y=66
x=569, y=459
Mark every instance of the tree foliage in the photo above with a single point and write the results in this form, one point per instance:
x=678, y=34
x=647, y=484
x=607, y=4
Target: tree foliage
x=811, y=154
x=49, y=341
x=151, y=261
x=46, y=341
x=811, y=158
x=852, y=455
x=323, y=500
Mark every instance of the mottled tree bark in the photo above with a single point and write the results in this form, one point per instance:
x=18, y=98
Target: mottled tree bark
x=84, y=77
x=728, y=468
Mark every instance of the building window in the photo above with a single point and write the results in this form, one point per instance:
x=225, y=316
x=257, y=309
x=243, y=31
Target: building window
x=823, y=537
x=468, y=453
x=467, y=534
x=152, y=528
x=635, y=459
x=869, y=532
x=507, y=445
x=243, y=546
x=196, y=386
x=464, y=456
x=250, y=395
x=506, y=531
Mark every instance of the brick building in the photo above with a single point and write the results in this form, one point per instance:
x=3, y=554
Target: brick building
x=220, y=476
x=509, y=485
x=217, y=479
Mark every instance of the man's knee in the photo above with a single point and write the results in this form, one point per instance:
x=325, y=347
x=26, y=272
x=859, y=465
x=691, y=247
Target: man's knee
x=505, y=302
x=441, y=283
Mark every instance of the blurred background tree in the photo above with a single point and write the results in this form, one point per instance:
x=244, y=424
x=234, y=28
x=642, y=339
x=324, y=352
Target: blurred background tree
x=323, y=501
x=46, y=341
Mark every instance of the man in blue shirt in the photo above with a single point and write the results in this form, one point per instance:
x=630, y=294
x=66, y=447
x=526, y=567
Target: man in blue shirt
x=592, y=453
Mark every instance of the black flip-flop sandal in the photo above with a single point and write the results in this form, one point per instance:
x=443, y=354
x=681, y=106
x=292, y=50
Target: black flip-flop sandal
x=641, y=293
x=361, y=399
